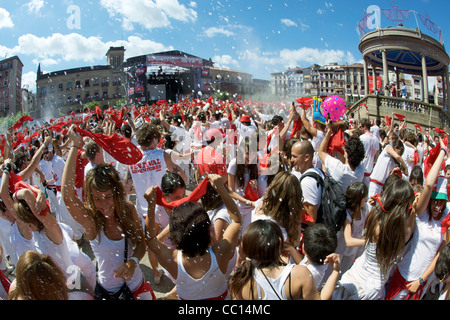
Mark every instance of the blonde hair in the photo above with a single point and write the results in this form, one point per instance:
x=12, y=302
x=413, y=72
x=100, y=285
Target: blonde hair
x=38, y=277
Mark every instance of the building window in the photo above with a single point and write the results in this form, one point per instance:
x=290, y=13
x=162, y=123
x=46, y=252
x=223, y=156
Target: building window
x=60, y=87
x=78, y=84
x=95, y=81
x=105, y=81
x=69, y=85
x=52, y=89
x=105, y=94
x=86, y=83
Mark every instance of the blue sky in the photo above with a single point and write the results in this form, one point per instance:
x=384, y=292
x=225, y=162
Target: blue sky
x=255, y=36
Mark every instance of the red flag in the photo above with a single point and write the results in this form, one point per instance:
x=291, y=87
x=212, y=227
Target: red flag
x=400, y=117
x=418, y=126
x=35, y=134
x=98, y=111
x=337, y=142
x=250, y=193
x=297, y=126
x=121, y=149
x=388, y=121
x=305, y=103
x=439, y=131
x=19, y=122
x=416, y=157
x=428, y=161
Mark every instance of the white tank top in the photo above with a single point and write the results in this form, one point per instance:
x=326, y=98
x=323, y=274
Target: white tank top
x=19, y=243
x=110, y=256
x=59, y=252
x=274, y=289
x=212, y=285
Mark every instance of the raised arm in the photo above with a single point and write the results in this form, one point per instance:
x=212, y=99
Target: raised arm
x=34, y=163
x=164, y=255
x=73, y=203
x=422, y=203
x=224, y=248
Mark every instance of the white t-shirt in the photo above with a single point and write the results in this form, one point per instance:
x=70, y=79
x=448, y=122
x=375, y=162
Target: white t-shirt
x=371, y=146
x=408, y=155
x=146, y=173
x=342, y=173
x=311, y=191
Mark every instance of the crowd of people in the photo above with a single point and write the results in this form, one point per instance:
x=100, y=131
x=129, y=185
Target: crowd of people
x=220, y=196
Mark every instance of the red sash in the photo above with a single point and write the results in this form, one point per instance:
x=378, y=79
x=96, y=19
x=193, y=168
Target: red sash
x=398, y=283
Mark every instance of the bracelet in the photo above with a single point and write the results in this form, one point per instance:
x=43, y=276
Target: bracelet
x=444, y=150
x=134, y=259
x=75, y=147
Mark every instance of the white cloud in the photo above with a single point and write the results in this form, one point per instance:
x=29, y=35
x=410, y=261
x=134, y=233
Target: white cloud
x=257, y=62
x=288, y=23
x=213, y=31
x=75, y=47
x=148, y=13
x=225, y=61
x=35, y=6
x=5, y=19
x=29, y=81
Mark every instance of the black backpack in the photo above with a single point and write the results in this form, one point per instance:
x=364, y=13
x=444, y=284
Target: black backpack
x=332, y=210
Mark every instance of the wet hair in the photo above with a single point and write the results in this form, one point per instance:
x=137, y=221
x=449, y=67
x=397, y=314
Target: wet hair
x=355, y=151
x=171, y=182
x=189, y=228
x=38, y=277
x=354, y=194
x=126, y=131
x=19, y=160
x=91, y=149
x=319, y=241
x=211, y=199
x=391, y=219
x=169, y=142
x=262, y=243
x=25, y=214
x=283, y=202
x=417, y=174
x=411, y=137
x=398, y=144
x=104, y=178
x=366, y=123
x=146, y=134
x=442, y=269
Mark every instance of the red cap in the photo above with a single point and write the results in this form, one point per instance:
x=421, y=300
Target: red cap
x=245, y=118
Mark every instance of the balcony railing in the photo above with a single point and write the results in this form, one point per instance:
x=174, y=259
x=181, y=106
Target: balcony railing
x=416, y=112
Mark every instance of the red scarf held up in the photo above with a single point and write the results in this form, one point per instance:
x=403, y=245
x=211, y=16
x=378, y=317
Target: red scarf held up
x=120, y=148
x=195, y=195
x=16, y=183
x=337, y=142
x=250, y=193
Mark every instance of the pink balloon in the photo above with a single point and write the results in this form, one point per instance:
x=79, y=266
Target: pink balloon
x=335, y=107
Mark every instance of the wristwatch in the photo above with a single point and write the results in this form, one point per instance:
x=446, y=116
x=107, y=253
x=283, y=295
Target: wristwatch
x=421, y=281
